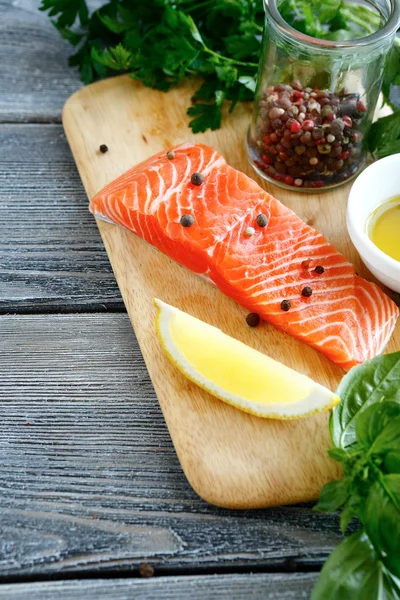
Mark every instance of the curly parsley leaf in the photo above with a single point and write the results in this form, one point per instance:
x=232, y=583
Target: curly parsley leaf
x=117, y=59
x=66, y=11
x=207, y=116
x=161, y=42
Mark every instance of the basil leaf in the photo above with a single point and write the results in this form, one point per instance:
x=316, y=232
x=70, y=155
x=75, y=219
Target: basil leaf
x=392, y=461
x=363, y=385
x=373, y=421
x=333, y=495
x=388, y=439
x=337, y=454
x=353, y=572
x=352, y=508
x=382, y=520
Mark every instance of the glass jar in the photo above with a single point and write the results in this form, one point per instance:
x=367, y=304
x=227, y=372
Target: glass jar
x=315, y=100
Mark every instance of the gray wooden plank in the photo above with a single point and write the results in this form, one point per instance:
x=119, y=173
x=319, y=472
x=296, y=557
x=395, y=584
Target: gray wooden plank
x=88, y=475
x=259, y=586
x=51, y=254
x=35, y=78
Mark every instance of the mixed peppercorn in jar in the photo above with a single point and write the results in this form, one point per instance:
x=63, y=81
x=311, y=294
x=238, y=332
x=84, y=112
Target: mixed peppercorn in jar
x=307, y=137
x=315, y=101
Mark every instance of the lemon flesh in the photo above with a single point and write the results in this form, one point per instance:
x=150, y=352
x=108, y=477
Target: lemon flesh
x=236, y=373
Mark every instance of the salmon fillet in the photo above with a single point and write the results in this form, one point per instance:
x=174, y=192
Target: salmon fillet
x=346, y=317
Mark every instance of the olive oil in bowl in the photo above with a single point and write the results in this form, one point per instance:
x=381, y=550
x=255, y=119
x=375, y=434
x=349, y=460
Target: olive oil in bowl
x=383, y=227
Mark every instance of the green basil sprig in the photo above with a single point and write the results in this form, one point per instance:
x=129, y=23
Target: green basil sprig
x=365, y=432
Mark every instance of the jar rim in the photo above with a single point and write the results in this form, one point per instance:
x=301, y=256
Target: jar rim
x=390, y=27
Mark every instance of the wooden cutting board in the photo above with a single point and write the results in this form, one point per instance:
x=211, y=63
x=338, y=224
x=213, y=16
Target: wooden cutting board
x=231, y=459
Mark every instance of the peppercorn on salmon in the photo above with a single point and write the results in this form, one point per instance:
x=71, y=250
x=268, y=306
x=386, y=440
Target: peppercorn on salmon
x=194, y=207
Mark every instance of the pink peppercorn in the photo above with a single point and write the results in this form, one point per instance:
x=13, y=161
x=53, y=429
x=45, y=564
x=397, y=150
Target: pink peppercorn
x=295, y=127
x=308, y=125
x=267, y=140
x=297, y=96
x=289, y=180
x=347, y=121
x=267, y=160
x=361, y=107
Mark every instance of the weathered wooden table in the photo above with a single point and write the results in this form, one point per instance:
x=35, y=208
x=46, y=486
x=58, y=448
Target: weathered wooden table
x=91, y=491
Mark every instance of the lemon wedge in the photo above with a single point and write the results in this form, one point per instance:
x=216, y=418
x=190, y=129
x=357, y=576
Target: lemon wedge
x=236, y=373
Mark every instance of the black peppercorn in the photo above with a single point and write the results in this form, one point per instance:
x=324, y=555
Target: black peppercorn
x=319, y=270
x=197, y=178
x=103, y=148
x=187, y=220
x=252, y=319
x=285, y=305
x=306, y=292
x=262, y=220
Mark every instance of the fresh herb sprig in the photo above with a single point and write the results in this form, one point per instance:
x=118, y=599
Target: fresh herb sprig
x=365, y=432
x=162, y=42
x=384, y=136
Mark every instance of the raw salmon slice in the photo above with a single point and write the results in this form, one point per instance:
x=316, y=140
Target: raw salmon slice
x=346, y=318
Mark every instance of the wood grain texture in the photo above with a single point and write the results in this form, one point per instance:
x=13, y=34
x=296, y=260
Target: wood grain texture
x=88, y=475
x=230, y=587
x=34, y=74
x=51, y=254
x=231, y=459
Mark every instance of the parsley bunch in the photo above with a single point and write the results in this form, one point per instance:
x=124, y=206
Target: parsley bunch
x=161, y=42
x=365, y=432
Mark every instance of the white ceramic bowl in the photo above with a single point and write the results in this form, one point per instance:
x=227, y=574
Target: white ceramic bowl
x=377, y=183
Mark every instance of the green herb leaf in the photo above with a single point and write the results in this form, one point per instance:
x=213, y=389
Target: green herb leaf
x=66, y=11
x=351, y=509
x=382, y=520
x=118, y=58
x=333, y=495
x=384, y=136
x=337, y=454
x=376, y=426
x=327, y=10
x=248, y=82
x=392, y=69
x=353, y=572
x=363, y=386
x=228, y=74
x=207, y=90
x=115, y=23
x=207, y=115
x=392, y=461
x=211, y=38
x=388, y=439
x=241, y=46
x=69, y=35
